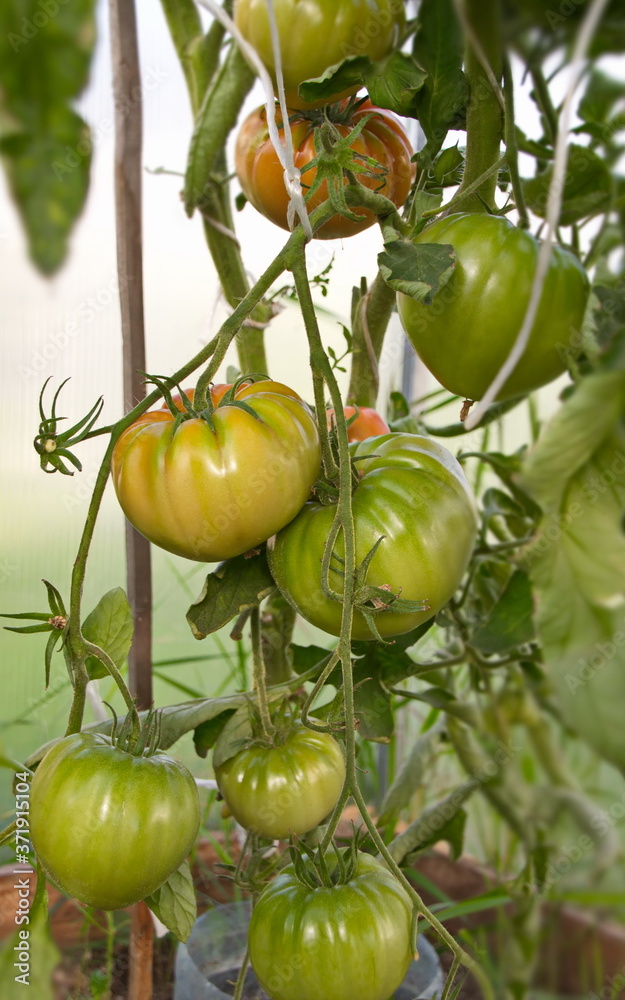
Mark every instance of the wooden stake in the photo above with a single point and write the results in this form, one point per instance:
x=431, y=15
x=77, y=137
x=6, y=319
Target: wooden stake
x=128, y=169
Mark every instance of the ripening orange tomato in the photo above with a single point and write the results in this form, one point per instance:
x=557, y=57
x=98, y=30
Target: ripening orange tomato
x=212, y=489
x=261, y=174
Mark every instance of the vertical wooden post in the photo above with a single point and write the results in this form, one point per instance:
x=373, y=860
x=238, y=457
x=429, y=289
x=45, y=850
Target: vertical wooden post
x=128, y=169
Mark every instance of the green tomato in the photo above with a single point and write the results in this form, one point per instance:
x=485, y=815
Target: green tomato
x=339, y=942
x=466, y=333
x=108, y=827
x=318, y=34
x=414, y=496
x=289, y=788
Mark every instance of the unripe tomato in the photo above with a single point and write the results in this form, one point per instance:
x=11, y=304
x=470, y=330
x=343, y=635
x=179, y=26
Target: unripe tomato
x=318, y=34
x=412, y=494
x=466, y=333
x=368, y=423
x=109, y=827
x=262, y=177
x=348, y=941
x=211, y=492
x=288, y=788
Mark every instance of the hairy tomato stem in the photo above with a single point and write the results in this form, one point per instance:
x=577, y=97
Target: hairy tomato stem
x=484, y=112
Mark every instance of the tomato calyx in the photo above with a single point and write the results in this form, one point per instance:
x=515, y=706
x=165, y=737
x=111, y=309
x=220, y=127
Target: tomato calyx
x=185, y=406
x=339, y=113
x=336, y=160
x=54, y=621
x=147, y=743
x=53, y=448
x=322, y=868
x=369, y=600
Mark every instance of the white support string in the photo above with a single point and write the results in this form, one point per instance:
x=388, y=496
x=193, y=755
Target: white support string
x=554, y=204
x=284, y=152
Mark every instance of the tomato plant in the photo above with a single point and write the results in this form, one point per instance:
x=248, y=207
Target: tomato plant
x=412, y=499
x=342, y=941
x=109, y=827
x=287, y=788
x=213, y=489
x=529, y=643
x=466, y=333
x=261, y=174
x=367, y=422
x=319, y=34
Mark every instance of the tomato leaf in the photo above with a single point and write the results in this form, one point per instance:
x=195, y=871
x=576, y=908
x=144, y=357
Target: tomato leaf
x=444, y=820
x=587, y=187
x=411, y=774
x=207, y=733
x=510, y=623
x=448, y=166
x=438, y=49
x=336, y=79
x=234, y=587
x=417, y=269
x=235, y=736
x=394, y=83
x=600, y=97
x=373, y=711
x=109, y=626
x=609, y=325
x=174, y=903
x=577, y=474
x=44, y=144
x=307, y=657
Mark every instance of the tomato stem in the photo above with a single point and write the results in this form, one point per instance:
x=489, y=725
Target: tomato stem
x=512, y=151
x=371, y=317
x=320, y=364
x=260, y=680
x=216, y=95
x=108, y=664
x=277, y=623
x=484, y=111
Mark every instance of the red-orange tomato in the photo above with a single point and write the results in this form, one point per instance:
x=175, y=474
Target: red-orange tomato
x=210, y=491
x=262, y=177
x=367, y=424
